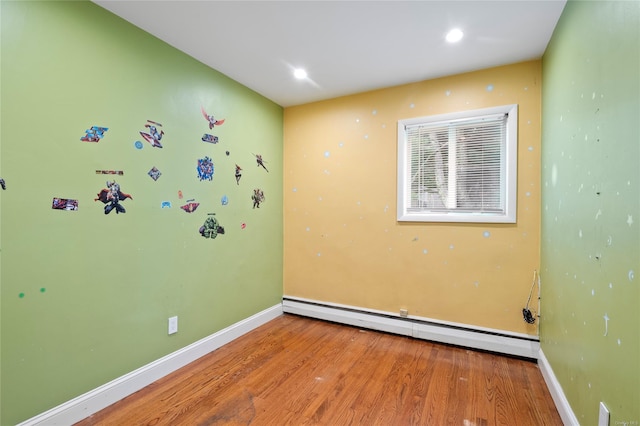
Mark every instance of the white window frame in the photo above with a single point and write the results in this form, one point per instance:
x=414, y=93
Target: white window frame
x=508, y=176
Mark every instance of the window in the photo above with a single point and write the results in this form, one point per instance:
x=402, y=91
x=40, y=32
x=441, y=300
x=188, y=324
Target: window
x=459, y=167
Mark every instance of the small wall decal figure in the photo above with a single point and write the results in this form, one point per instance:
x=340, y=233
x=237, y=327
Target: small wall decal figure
x=211, y=227
x=238, y=174
x=260, y=161
x=110, y=172
x=3, y=184
x=205, y=169
x=154, y=173
x=64, y=204
x=190, y=207
x=154, y=136
x=94, y=134
x=257, y=197
x=211, y=119
x=111, y=197
x=209, y=138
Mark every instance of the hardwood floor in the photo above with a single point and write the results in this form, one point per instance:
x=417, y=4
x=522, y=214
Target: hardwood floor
x=300, y=371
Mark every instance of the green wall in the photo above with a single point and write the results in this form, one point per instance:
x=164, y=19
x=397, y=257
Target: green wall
x=86, y=296
x=591, y=208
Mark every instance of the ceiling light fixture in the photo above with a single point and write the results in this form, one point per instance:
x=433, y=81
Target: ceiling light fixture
x=454, y=35
x=299, y=73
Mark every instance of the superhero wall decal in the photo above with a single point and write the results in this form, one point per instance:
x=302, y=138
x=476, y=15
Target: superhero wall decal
x=153, y=135
x=260, y=161
x=238, y=174
x=211, y=228
x=111, y=196
x=205, y=168
x=154, y=173
x=211, y=119
x=94, y=134
x=257, y=197
x=190, y=206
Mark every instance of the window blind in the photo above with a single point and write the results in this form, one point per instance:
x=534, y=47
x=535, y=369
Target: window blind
x=457, y=165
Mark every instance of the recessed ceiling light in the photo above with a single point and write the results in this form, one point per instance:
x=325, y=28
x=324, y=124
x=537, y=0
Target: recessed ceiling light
x=299, y=73
x=454, y=35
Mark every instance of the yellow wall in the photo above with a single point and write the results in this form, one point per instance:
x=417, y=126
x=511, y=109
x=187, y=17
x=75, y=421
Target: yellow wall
x=342, y=243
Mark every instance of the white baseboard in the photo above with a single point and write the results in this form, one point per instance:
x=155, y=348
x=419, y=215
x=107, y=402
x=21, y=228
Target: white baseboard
x=516, y=344
x=95, y=400
x=562, y=404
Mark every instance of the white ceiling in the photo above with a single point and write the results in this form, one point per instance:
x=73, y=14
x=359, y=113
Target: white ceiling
x=346, y=46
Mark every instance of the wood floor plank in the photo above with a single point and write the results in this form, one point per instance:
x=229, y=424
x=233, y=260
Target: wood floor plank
x=301, y=371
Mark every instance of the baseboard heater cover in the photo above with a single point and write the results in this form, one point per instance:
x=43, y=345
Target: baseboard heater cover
x=513, y=344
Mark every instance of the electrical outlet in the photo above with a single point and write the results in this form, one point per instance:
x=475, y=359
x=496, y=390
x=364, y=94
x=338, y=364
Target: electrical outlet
x=173, y=325
x=404, y=313
x=603, y=417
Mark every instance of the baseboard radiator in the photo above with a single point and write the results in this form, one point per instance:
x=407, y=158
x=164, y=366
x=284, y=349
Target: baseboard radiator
x=514, y=344
x=498, y=341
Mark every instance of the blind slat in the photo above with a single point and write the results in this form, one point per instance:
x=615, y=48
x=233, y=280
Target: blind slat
x=476, y=177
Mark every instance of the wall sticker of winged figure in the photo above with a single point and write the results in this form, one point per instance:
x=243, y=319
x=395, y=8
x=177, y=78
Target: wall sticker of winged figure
x=211, y=119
